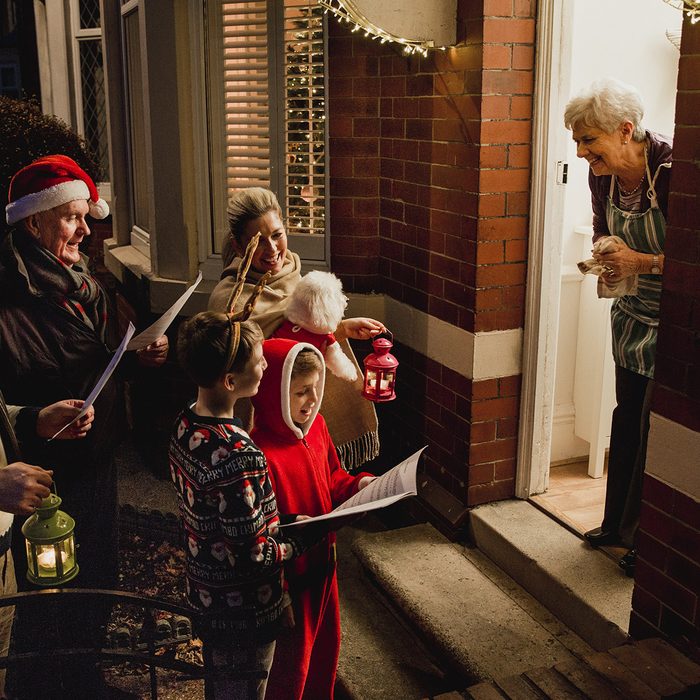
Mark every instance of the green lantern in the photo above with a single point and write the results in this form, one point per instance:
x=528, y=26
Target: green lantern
x=51, y=558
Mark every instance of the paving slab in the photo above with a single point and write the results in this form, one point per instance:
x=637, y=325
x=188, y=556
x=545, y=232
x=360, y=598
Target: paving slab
x=581, y=586
x=467, y=619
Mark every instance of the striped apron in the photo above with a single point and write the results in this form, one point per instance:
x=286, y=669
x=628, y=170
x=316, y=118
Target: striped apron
x=635, y=319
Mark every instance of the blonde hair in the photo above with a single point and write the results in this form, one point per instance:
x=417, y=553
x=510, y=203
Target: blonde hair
x=203, y=346
x=246, y=205
x=605, y=105
x=305, y=362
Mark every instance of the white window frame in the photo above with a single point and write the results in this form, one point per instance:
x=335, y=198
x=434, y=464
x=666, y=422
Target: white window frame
x=314, y=249
x=78, y=34
x=140, y=238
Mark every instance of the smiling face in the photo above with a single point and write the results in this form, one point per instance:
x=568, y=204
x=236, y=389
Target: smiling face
x=303, y=396
x=61, y=229
x=272, y=246
x=604, y=152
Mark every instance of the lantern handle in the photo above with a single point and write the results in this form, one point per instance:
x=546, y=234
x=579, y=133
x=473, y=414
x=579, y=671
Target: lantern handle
x=383, y=333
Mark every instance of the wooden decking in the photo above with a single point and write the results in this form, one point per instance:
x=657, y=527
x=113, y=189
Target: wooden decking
x=576, y=500
x=645, y=670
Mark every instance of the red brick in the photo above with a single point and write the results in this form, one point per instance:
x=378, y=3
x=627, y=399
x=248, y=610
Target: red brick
x=523, y=57
x=498, y=8
x=507, y=132
x=394, y=86
x=500, y=275
x=495, y=408
x=519, y=156
x=406, y=107
x=516, y=250
x=480, y=474
x=500, y=320
x=495, y=107
x=340, y=87
x=665, y=589
x=688, y=72
x=497, y=56
x=493, y=157
x=483, y=432
x=340, y=127
x=489, y=252
x=646, y=605
x=365, y=126
x=366, y=167
x=505, y=180
x=520, y=31
x=676, y=407
x=524, y=8
x=493, y=451
x=485, y=493
x=492, y=204
x=419, y=129
x=356, y=106
x=393, y=128
x=491, y=298
x=505, y=468
x=507, y=427
x=518, y=203
x=509, y=386
x=489, y=229
x=508, y=82
x=521, y=107
x=687, y=510
x=485, y=389
x=456, y=130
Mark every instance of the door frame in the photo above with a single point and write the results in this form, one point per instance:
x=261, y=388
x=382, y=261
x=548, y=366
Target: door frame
x=543, y=288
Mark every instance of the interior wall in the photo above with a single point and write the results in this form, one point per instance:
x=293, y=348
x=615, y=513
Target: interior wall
x=625, y=39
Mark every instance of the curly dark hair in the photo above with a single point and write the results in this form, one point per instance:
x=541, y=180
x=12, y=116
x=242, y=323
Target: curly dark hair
x=26, y=133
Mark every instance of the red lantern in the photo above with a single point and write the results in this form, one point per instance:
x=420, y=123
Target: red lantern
x=380, y=371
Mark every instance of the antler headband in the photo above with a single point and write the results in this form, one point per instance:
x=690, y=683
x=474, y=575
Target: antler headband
x=235, y=319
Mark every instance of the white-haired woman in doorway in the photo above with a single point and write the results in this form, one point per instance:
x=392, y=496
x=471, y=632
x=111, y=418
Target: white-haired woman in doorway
x=630, y=169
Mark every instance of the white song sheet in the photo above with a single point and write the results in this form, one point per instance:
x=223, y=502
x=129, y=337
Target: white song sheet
x=103, y=379
x=397, y=483
x=158, y=328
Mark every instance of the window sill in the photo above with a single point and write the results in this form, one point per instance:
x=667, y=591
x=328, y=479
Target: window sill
x=128, y=265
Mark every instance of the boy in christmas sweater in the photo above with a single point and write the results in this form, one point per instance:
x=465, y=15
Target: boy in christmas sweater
x=234, y=551
x=307, y=478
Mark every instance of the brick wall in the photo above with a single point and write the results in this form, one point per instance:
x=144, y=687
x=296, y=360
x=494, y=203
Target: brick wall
x=667, y=583
x=429, y=163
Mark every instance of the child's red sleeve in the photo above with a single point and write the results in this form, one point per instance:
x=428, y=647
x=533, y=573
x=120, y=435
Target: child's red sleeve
x=343, y=485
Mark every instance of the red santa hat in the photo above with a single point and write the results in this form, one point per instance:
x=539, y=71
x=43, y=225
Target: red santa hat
x=49, y=182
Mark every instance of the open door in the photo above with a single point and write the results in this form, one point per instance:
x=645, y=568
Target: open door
x=567, y=362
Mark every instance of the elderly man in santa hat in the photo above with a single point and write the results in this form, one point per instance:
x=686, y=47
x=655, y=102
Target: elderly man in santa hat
x=54, y=343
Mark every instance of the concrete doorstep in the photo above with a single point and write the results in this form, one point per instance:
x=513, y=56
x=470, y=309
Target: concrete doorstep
x=581, y=586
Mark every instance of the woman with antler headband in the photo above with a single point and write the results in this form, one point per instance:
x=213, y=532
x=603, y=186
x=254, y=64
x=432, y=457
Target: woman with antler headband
x=351, y=420
x=234, y=551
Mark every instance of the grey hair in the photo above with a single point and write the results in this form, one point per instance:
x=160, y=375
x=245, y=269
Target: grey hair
x=246, y=205
x=605, y=105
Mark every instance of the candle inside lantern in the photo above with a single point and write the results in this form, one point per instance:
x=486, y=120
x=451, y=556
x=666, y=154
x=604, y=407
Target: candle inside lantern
x=47, y=559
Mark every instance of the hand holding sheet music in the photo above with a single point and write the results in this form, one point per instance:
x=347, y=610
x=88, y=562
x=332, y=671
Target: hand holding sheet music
x=396, y=484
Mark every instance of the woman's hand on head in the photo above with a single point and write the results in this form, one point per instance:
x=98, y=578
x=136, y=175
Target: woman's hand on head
x=154, y=355
x=620, y=262
x=361, y=328
x=52, y=418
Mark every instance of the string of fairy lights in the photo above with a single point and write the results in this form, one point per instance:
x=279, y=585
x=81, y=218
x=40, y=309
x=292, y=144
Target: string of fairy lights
x=346, y=12
x=689, y=7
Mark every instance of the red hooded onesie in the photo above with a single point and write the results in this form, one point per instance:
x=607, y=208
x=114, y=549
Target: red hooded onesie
x=307, y=478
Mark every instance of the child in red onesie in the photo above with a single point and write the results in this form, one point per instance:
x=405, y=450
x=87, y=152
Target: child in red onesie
x=307, y=478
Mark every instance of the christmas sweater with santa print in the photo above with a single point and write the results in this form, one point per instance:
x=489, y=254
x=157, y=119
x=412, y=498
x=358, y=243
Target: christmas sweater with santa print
x=234, y=550
x=304, y=467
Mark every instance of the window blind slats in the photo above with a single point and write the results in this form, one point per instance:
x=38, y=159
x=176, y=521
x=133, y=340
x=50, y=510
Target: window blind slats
x=251, y=122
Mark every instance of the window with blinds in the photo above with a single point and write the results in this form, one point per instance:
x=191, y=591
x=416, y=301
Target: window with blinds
x=267, y=107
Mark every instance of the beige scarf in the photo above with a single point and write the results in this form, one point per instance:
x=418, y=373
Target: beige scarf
x=352, y=420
